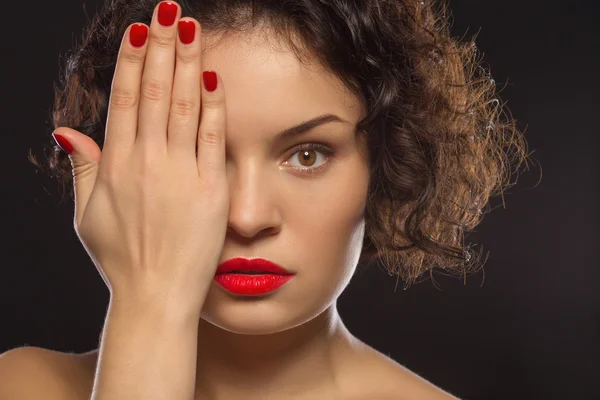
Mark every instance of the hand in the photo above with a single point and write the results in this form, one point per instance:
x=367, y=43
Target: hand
x=151, y=213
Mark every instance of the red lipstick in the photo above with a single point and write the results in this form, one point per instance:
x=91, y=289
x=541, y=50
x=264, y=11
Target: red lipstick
x=251, y=277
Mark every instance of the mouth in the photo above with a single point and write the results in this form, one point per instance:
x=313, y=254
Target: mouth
x=256, y=266
x=250, y=273
x=249, y=283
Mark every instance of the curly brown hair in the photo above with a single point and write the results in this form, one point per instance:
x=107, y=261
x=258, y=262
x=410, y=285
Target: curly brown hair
x=440, y=141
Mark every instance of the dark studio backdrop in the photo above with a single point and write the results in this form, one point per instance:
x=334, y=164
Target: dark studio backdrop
x=525, y=327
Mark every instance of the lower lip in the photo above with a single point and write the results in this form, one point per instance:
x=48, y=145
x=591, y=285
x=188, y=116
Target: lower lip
x=251, y=284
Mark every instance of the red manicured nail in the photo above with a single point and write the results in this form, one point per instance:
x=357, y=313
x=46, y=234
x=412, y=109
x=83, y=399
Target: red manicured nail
x=210, y=80
x=167, y=12
x=63, y=143
x=138, y=35
x=187, y=31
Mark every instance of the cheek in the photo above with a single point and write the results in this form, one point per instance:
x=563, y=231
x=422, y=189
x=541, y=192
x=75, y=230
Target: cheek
x=330, y=228
x=329, y=250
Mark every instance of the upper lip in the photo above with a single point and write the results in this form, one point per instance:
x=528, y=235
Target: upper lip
x=255, y=264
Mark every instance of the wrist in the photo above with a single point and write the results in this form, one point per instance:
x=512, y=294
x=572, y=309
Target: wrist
x=155, y=306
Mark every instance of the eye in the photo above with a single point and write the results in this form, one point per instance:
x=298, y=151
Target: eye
x=306, y=155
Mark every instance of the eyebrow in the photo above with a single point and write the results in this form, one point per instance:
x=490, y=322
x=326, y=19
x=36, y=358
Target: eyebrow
x=307, y=126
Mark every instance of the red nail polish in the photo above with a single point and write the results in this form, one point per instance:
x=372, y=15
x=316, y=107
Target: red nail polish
x=138, y=35
x=167, y=12
x=187, y=31
x=63, y=143
x=210, y=80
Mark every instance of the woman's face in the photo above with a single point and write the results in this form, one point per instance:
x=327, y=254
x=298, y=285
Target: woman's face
x=309, y=223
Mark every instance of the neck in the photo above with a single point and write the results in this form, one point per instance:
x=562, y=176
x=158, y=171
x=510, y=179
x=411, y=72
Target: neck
x=232, y=365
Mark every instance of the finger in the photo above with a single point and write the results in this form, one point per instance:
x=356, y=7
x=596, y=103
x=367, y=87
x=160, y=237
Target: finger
x=157, y=79
x=211, y=135
x=121, y=123
x=185, y=100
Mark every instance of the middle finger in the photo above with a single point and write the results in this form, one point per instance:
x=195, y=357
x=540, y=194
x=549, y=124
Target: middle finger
x=157, y=79
x=185, y=100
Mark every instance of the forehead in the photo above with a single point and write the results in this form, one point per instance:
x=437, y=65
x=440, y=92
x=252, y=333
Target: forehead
x=263, y=77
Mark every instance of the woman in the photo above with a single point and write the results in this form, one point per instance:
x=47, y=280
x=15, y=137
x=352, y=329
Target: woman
x=233, y=161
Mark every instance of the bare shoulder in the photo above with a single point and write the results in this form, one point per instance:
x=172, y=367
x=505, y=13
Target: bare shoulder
x=389, y=380
x=404, y=384
x=34, y=373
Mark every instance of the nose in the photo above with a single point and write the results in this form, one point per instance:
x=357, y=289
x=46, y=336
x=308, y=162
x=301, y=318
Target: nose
x=252, y=209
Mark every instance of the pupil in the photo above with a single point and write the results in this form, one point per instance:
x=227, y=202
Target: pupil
x=306, y=155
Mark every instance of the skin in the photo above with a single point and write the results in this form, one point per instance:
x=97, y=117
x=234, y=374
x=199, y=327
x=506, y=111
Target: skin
x=269, y=347
x=272, y=345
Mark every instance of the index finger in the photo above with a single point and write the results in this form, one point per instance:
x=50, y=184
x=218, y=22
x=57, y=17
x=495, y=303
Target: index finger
x=121, y=124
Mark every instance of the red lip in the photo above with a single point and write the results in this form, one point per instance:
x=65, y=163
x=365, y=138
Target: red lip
x=253, y=265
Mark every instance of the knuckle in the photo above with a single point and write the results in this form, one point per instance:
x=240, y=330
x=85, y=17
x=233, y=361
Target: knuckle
x=211, y=184
x=123, y=99
x=215, y=183
x=133, y=56
x=161, y=40
x=188, y=57
x=108, y=177
x=109, y=171
x=146, y=169
x=211, y=104
x=184, y=107
x=210, y=138
x=153, y=90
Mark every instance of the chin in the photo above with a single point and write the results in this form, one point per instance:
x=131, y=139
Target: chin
x=245, y=327
x=258, y=315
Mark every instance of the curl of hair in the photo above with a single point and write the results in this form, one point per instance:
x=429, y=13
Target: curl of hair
x=440, y=142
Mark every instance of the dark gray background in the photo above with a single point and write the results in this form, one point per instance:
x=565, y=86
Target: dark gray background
x=528, y=329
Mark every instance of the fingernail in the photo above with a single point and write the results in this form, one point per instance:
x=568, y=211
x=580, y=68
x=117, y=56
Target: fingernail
x=187, y=31
x=210, y=80
x=63, y=143
x=167, y=12
x=138, y=35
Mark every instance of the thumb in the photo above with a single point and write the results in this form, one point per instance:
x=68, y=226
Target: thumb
x=85, y=157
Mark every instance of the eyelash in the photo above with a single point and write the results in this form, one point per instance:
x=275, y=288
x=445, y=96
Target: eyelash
x=314, y=146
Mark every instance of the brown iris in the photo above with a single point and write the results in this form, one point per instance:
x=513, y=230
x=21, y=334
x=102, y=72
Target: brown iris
x=305, y=157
